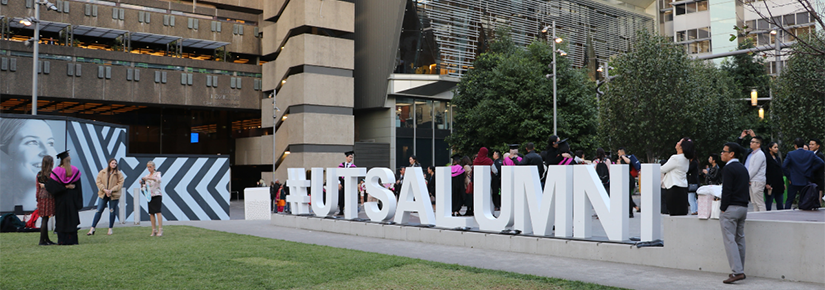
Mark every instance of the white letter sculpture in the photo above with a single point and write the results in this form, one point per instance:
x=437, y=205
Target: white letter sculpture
x=351, y=190
x=485, y=219
x=444, y=202
x=651, y=201
x=590, y=194
x=321, y=206
x=537, y=212
x=374, y=180
x=414, y=198
x=297, y=198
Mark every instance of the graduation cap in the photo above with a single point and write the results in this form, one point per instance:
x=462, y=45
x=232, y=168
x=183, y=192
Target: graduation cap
x=564, y=140
x=514, y=146
x=456, y=156
x=63, y=155
x=349, y=153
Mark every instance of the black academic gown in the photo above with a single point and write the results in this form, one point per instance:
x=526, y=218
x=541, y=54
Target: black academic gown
x=67, y=203
x=458, y=192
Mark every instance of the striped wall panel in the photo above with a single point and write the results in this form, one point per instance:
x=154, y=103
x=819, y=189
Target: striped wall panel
x=91, y=145
x=194, y=188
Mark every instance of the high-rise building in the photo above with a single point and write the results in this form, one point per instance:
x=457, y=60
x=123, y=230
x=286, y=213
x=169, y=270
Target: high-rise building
x=705, y=27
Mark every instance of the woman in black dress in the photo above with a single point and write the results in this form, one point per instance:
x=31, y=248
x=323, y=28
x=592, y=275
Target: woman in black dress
x=775, y=186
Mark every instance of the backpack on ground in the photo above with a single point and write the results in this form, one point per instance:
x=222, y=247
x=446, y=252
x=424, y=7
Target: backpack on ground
x=11, y=223
x=809, y=197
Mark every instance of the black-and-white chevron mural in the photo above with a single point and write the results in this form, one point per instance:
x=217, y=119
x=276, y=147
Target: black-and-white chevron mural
x=194, y=187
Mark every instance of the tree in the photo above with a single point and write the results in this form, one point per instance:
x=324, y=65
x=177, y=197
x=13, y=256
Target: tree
x=660, y=95
x=505, y=98
x=748, y=73
x=799, y=96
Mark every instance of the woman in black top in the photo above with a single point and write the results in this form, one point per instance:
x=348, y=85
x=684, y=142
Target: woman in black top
x=431, y=183
x=775, y=186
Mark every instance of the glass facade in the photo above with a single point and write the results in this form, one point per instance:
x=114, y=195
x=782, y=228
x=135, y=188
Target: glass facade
x=421, y=126
x=445, y=36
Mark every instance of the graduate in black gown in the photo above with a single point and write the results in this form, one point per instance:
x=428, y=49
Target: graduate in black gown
x=341, y=182
x=68, y=199
x=458, y=175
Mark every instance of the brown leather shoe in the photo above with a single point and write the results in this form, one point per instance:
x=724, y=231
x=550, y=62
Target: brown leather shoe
x=733, y=278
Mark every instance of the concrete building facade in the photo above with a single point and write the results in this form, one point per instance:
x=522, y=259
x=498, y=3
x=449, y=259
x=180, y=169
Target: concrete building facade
x=374, y=76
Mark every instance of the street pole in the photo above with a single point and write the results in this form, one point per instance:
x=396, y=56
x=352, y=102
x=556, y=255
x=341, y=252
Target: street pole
x=554, y=80
x=778, y=49
x=35, y=65
x=274, y=128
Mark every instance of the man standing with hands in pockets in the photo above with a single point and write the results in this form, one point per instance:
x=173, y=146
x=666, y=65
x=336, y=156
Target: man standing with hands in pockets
x=734, y=207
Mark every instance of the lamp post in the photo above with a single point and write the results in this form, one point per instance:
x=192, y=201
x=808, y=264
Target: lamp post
x=559, y=51
x=275, y=111
x=35, y=57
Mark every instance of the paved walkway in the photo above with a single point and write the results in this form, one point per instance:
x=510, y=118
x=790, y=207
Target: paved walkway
x=604, y=273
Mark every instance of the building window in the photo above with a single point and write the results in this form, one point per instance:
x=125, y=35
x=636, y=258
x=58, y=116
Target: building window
x=690, y=8
x=680, y=9
x=702, y=6
x=421, y=129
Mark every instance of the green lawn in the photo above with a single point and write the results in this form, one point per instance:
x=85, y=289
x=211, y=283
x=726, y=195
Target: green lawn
x=193, y=258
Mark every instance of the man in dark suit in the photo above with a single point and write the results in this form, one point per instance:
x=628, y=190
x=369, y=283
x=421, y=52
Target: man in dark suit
x=799, y=167
x=734, y=208
x=819, y=175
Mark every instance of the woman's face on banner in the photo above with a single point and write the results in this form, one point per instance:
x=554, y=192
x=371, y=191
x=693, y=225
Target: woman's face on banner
x=30, y=145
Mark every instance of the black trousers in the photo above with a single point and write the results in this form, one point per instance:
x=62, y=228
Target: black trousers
x=495, y=192
x=677, y=200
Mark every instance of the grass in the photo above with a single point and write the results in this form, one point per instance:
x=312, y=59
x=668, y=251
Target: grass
x=194, y=258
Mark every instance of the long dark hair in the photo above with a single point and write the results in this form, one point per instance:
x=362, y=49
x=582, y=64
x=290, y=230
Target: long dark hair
x=466, y=161
x=600, y=154
x=688, y=148
x=46, y=167
x=109, y=169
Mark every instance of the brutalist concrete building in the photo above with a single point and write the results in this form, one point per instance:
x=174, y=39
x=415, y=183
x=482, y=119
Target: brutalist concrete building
x=200, y=77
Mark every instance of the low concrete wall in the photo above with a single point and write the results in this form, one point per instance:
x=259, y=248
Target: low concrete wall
x=775, y=249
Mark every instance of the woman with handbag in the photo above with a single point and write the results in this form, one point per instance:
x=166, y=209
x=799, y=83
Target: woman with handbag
x=693, y=185
x=674, y=178
x=45, y=201
x=109, y=182
x=152, y=183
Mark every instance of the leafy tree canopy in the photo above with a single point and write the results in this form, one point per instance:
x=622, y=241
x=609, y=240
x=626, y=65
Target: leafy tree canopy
x=506, y=98
x=799, y=96
x=660, y=95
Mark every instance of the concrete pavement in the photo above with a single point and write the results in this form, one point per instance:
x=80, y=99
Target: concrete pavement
x=604, y=273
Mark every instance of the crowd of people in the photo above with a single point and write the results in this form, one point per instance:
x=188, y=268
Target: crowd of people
x=59, y=195
x=755, y=174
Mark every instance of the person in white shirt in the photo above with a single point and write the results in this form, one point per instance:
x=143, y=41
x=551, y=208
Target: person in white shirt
x=674, y=179
x=757, y=166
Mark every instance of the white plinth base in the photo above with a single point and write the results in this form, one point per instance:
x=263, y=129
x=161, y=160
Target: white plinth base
x=256, y=203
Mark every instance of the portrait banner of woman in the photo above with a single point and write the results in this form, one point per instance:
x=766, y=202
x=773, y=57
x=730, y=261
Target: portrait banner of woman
x=23, y=144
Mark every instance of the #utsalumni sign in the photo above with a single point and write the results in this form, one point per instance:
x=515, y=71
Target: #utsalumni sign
x=569, y=198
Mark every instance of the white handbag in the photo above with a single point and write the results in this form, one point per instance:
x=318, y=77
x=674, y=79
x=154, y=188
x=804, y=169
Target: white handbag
x=715, y=211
